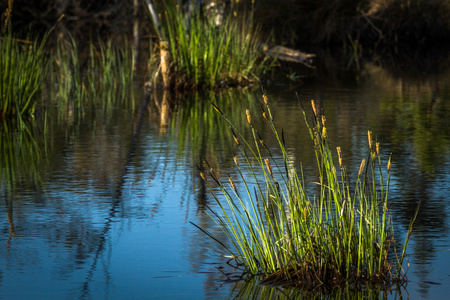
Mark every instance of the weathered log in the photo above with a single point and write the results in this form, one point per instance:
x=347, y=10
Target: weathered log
x=291, y=55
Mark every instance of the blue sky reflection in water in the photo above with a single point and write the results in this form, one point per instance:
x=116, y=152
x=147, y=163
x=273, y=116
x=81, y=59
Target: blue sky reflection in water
x=88, y=236
x=106, y=223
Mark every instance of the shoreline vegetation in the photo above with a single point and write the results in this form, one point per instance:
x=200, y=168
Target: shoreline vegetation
x=198, y=50
x=60, y=80
x=277, y=229
x=360, y=26
x=230, y=43
x=379, y=23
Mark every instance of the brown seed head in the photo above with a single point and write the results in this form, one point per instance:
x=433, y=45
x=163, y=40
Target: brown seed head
x=236, y=161
x=377, y=146
x=232, y=183
x=324, y=120
x=269, y=168
x=389, y=165
x=369, y=136
x=313, y=105
x=202, y=175
x=236, y=139
x=361, y=167
x=339, y=155
x=249, y=118
x=266, y=100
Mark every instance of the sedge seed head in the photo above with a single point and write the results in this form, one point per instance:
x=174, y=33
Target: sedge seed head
x=236, y=139
x=236, y=161
x=361, y=167
x=249, y=118
x=369, y=136
x=339, y=155
x=377, y=146
x=389, y=165
x=266, y=99
x=269, y=168
x=313, y=105
x=324, y=132
x=232, y=183
x=202, y=175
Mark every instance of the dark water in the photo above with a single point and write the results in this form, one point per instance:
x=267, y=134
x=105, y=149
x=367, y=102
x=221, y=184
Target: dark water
x=99, y=206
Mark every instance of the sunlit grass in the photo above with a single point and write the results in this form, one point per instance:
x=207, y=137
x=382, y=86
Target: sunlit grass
x=206, y=55
x=103, y=80
x=23, y=69
x=341, y=234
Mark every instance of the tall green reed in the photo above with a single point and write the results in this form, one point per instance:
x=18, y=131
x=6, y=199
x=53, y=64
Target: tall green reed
x=204, y=54
x=23, y=66
x=342, y=233
x=103, y=79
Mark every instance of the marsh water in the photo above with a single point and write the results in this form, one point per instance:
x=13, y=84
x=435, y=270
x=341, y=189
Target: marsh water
x=98, y=204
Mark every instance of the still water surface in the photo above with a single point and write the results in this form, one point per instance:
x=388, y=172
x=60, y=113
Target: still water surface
x=107, y=214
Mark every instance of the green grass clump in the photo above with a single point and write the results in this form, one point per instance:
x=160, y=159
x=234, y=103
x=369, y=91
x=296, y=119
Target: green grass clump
x=23, y=67
x=343, y=234
x=103, y=79
x=206, y=55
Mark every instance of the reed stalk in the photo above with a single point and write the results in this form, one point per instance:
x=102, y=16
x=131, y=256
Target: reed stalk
x=103, y=80
x=341, y=234
x=23, y=65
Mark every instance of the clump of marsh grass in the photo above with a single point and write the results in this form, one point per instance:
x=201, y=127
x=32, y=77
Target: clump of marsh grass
x=203, y=54
x=343, y=234
x=103, y=80
x=24, y=65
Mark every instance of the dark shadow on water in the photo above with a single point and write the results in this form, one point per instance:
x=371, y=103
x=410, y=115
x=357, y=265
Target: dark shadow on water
x=117, y=194
x=251, y=289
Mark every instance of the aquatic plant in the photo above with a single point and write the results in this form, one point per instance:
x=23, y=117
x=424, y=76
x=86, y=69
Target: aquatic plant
x=195, y=122
x=102, y=80
x=342, y=234
x=23, y=65
x=24, y=154
x=204, y=54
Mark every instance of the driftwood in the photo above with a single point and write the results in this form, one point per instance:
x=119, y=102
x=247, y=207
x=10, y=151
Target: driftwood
x=291, y=55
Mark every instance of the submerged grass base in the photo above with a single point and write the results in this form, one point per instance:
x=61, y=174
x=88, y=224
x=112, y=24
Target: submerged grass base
x=341, y=235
